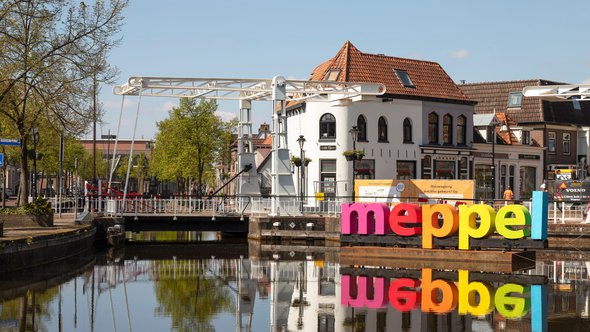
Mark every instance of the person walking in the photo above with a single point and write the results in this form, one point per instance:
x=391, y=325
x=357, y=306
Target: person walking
x=508, y=194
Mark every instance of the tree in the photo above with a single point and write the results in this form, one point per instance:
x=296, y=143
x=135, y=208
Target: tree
x=189, y=144
x=48, y=64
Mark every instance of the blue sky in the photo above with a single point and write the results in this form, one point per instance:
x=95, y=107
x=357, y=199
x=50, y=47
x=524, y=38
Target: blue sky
x=472, y=40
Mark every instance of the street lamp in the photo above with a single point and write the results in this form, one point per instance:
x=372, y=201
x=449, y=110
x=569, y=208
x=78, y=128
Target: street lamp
x=354, y=134
x=493, y=125
x=35, y=139
x=301, y=141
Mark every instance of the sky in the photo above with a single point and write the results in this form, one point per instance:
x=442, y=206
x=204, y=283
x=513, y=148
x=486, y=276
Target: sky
x=475, y=41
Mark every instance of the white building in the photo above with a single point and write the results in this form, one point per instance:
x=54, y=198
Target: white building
x=421, y=128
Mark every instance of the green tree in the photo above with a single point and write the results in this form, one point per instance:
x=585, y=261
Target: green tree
x=48, y=64
x=190, y=142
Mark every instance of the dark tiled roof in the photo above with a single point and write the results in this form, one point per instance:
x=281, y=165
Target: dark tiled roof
x=494, y=95
x=429, y=78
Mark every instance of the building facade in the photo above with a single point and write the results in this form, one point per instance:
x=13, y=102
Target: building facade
x=422, y=127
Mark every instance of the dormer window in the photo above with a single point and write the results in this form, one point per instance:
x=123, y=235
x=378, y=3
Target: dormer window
x=514, y=99
x=332, y=75
x=404, y=77
x=525, y=137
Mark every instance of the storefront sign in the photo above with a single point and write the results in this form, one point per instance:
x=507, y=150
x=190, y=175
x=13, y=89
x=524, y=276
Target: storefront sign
x=529, y=156
x=444, y=220
x=327, y=147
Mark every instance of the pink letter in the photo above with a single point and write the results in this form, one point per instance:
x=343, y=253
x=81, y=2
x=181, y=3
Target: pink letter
x=356, y=216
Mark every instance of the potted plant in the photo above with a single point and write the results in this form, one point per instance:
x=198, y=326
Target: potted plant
x=349, y=155
x=353, y=154
x=296, y=161
x=307, y=161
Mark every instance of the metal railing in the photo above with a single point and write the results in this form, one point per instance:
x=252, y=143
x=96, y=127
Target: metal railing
x=558, y=212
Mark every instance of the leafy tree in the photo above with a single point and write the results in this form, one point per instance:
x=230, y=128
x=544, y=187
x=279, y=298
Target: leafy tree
x=189, y=144
x=50, y=62
x=139, y=170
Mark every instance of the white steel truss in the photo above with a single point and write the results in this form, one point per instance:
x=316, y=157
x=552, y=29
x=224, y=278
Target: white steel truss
x=559, y=92
x=278, y=90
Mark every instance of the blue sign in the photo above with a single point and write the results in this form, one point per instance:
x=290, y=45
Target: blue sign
x=9, y=141
x=1, y=159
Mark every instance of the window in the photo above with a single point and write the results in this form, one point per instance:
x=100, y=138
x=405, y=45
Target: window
x=332, y=75
x=576, y=104
x=328, y=178
x=551, y=141
x=447, y=129
x=327, y=126
x=364, y=169
x=490, y=134
x=407, y=130
x=514, y=99
x=406, y=170
x=404, y=78
x=433, y=128
x=382, y=129
x=461, y=130
x=525, y=138
x=361, y=124
x=566, y=143
x=444, y=169
x=464, y=168
x=426, y=167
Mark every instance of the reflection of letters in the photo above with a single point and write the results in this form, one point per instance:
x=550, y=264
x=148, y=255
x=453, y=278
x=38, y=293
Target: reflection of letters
x=365, y=287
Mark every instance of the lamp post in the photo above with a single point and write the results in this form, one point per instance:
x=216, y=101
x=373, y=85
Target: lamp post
x=493, y=125
x=354, y=134
x=35, y=139
x=301, y=141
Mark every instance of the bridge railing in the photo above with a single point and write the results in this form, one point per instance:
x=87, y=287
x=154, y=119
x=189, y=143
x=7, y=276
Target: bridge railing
x=558, y=212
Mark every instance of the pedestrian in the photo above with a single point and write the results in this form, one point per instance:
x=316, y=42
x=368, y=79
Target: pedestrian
x=508, y=194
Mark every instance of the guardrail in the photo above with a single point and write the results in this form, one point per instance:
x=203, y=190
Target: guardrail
x=558, y=212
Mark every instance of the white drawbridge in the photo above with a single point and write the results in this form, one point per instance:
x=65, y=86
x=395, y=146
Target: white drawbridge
x=278, y=90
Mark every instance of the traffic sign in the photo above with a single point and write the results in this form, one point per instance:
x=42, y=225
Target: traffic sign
x=9, y=142
x=1, y=159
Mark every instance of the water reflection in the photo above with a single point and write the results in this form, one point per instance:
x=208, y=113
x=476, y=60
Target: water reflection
x=125, y=293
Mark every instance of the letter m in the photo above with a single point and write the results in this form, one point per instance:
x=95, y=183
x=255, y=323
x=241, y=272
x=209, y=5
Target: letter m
x=358, y=218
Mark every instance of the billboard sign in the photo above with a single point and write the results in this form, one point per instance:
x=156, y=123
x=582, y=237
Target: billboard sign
x=572, y=190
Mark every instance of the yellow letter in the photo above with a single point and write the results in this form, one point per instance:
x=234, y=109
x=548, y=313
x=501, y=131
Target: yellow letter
x=505, y=221
x=468, y=228
x=509, y=306
x=430, y=226
x=467, y=296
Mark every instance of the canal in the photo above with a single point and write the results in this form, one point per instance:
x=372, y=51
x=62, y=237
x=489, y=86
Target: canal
x=206, y=282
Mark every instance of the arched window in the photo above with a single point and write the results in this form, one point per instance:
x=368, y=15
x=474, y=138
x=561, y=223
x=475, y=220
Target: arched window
x=382, y=129
x=407, y=130
x=361, y=124
x=432, y=128
x=461, y=130
x=327, y=126
x=447, y=129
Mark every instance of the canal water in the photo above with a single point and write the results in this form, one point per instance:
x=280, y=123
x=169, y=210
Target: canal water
x=211, y=283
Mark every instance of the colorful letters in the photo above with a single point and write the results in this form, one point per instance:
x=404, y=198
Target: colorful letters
x=442, y=220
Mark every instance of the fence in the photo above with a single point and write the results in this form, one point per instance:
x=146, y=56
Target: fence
x=558, y=212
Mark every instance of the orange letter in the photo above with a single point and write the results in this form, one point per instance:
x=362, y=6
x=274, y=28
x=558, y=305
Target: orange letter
x=430, y=224
x=430, y=301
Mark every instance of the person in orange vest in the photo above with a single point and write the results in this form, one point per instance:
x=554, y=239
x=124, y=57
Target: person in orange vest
x=508, y=194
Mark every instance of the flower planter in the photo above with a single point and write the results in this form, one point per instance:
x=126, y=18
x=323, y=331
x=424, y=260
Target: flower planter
x=297, y=163
x=350, y=157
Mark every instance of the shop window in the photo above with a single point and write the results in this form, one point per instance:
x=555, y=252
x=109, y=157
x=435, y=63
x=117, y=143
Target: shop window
x=406, y=169
x=528, y=181
x=382, y=129
x=461, y=130
x=444, y=169
x=432, y=128
x=502, y=178
x=464, y=168
x=327, y=183
x=364, y=169
x=483, y=182
x=361, y=124
x=327, y=126
x=427, y=167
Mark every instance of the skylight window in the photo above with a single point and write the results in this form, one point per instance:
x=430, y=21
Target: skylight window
x=576, y=103
x=332, y=75
x=514, y=99
x=404, y=77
